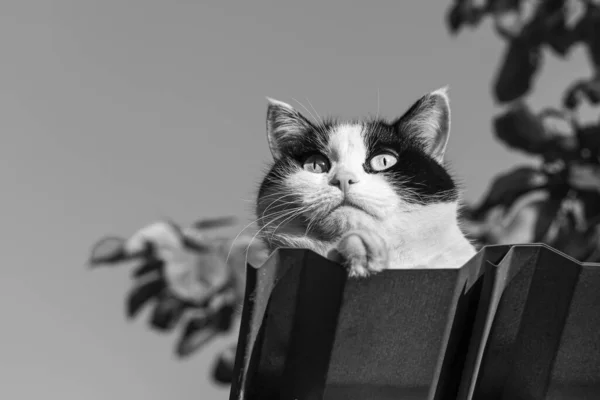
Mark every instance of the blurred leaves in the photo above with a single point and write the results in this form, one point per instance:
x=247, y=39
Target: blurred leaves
x=556, y=201
x=143, y=294
x=520, y=129
x=587, y=31
x=464, y=13
x=585, y=177
x=508, y=187
x=189, y=278
x=583, y=90
x=550, y=133
x=223, y=367
x=109, y=250
x=519, y=66
x=194, y=281
x=546, y=202
x=527, y=27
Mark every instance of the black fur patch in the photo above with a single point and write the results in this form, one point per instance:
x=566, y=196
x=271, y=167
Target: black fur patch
x=416, y=177
x=415, y=170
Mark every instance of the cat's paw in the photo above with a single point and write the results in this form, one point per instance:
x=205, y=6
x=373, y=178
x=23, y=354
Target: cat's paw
x=363, y=252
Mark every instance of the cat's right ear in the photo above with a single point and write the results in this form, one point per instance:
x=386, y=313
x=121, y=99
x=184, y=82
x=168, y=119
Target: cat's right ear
x=285, y=126
x=429, y=120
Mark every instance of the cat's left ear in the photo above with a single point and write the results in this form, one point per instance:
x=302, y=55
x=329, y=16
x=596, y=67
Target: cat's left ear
x=285, y=126
x=429, y=120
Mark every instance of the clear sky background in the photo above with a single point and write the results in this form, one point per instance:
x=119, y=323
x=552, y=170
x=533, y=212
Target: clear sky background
x=117, y=112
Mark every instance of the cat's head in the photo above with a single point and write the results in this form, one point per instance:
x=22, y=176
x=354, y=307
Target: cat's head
x=329, y=176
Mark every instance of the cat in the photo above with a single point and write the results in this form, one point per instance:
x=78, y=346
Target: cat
x=371, y=194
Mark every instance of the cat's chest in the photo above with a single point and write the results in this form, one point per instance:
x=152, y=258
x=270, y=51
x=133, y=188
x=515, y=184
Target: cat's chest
x=452, y=257
x=449, y=253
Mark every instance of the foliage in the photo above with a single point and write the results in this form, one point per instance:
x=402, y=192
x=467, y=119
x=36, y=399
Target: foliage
x=195, y=280
x=557, y=202
x=190, y=278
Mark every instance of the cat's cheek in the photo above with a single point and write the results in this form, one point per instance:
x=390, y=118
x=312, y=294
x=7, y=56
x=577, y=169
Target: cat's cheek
x=300, y=180
x=306, y=184
x=379, y=196
x=385, y=190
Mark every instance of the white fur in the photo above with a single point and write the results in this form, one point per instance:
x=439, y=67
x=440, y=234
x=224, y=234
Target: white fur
x=417, y=236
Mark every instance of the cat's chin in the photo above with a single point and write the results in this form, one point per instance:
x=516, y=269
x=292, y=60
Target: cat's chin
x=347, y=217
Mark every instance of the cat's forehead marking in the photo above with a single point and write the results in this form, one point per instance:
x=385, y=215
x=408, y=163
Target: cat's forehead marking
x=346, y=142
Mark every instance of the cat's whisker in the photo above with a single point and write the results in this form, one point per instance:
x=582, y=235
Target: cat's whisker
x=279, y=195
x=243, y=229
x=289, y=205
x=288, y=218
x=285, y=213
x=311, y=221
x=320, y=124
x=307, y=110
x=278, y=202
x=281, y=216
x=311, y=106
x=298, y=213
x=275, y=190
x=237, y=237
x=377, y=117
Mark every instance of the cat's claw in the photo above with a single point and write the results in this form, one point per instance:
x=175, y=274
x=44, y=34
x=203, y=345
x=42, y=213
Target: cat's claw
x=364, y=253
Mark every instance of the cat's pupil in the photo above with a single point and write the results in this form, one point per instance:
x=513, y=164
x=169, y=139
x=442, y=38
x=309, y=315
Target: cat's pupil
x=316, y=163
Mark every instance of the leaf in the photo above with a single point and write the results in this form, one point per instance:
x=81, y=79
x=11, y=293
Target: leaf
x=593, y=243
x=562, y=136
x=108, y=250
x=463, y=12
x=198, y=331
x=502, y=6
x=158, y=237
x=222, y=372
x=519, y=223
x=454, y=19
x=474, y=228
x=588, y=90
x=201, y=329
x=589, y=137
x=567, y=230
x=558, y=35
x=225, y=318
x=520, y=64
x=549, y=134
x=508, y=187
x=149, y=266
x=167, y=313
x=212, y=223
x=194, y=237
x=587, y=31
x=575, y=244
x=520, y=129
x=194, y=276
x=143, y=294
x=195, y=244
x=549, y=222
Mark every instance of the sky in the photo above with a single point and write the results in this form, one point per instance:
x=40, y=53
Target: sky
x=117, y=113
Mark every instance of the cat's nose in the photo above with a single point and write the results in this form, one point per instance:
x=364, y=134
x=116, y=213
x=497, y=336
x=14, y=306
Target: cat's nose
x=343, y=180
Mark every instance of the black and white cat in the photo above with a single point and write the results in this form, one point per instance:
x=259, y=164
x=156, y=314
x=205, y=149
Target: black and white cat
x=372, y=194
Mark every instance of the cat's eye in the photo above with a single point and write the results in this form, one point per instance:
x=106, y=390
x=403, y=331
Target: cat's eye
x=381, y=162
x=316, y=163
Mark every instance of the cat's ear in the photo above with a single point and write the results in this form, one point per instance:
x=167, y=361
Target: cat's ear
x=285, y=126
x=429, y=120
